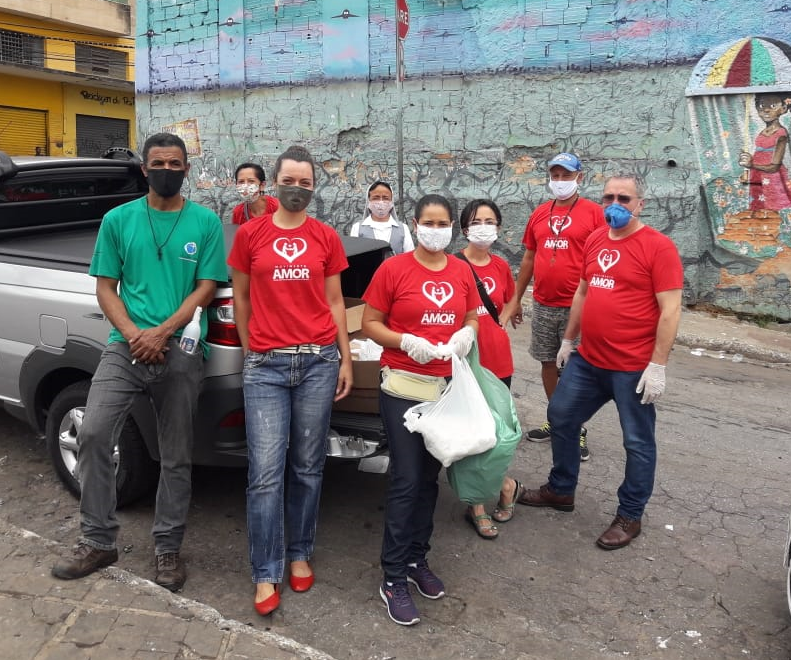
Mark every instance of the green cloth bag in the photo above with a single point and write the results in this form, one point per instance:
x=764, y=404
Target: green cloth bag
x=477, y=479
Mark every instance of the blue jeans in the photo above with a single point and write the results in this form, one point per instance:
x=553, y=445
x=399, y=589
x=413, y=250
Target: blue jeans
x=173, y=389
x=412, y=492
x=287, y=401
x=581, y=391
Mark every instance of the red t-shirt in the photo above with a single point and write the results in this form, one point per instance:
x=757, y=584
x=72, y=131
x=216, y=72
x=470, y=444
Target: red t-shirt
x=620, y=314
x=428, y=303
x=494, y=344
x=558, y=242
x=288, y=269
x=239, y=217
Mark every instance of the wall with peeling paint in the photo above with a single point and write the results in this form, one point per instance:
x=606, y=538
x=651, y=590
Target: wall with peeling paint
x=493, y=89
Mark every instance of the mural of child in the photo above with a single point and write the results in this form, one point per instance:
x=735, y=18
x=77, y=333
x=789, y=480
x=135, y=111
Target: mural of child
x=768, y=177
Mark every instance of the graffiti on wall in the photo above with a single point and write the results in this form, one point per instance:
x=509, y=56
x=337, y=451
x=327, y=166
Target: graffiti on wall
x=739, y=96
x=272, y=44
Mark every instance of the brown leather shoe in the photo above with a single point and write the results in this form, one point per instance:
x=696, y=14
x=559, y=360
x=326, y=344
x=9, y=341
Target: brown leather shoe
x=619, y=534
x=545, y=496
x=85, y=560
x=171, y=572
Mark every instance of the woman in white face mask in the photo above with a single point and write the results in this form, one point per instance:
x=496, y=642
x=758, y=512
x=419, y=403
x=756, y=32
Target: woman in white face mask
x=414, y=303
x=480, y=223
x=380, y=220
x=250, y=180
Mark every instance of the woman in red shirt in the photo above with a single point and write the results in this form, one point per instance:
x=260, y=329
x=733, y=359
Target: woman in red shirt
x=480, y=222
x=291, y=319
x=415, y=301
x=250, y=180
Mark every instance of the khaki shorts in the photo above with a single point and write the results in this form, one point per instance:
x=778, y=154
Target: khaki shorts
x=548, y=325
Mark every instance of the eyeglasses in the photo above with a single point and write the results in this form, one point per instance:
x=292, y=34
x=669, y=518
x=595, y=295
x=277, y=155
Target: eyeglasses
x=622, y=199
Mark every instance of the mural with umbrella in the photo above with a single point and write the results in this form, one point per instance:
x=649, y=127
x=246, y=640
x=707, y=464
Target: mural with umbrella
x=739, y=95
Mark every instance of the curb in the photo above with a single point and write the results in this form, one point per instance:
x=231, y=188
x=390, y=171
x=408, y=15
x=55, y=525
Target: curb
x=735, y=347
x=195, y=609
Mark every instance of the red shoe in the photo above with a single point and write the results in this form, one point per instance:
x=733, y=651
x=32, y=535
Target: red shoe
x=300, y=584
x=270, y=604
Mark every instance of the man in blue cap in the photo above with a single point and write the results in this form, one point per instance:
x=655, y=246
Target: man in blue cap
x=553, y=240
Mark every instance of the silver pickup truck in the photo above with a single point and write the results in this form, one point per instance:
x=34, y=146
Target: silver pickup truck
x=53, y=332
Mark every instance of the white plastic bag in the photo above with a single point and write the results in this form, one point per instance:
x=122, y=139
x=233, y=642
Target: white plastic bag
x=460, y=423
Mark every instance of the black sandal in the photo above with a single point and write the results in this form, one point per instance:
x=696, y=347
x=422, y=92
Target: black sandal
x=504, y=512
x=489, y=531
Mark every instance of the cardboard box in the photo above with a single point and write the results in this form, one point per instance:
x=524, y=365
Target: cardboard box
x=354, y=314
x=364, y=397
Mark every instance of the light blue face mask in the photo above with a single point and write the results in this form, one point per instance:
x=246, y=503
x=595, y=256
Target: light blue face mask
x=617, y=216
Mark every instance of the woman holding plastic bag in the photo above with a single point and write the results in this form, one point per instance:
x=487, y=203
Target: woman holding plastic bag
x=416, y=302
x=480, y=222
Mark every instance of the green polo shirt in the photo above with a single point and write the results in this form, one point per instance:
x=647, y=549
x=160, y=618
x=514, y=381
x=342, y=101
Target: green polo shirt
x=157, y=257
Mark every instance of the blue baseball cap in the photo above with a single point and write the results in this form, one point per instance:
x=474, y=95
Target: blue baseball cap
x=567, y=161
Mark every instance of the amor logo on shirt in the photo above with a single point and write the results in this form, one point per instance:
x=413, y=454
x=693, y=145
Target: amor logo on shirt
x=438, y=293
x=606, y=260
x=290, y=249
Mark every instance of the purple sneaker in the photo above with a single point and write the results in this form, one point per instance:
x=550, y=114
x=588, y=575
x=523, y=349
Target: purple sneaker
x=400, y=606
x=428, y=584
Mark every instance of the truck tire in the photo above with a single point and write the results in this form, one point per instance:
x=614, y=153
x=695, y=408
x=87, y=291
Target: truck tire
x=135, y=472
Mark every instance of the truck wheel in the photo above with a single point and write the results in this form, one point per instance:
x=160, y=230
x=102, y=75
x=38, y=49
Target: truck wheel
x=135, y=472
x=788, y=587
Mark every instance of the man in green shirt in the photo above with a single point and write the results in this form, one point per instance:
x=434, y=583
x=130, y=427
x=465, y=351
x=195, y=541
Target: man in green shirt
x=156, y=260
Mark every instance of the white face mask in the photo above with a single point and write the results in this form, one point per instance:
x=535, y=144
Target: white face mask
x=380, y=209
x=434, y=239
x=249, y=192
x=563, y=189
x=482, y=235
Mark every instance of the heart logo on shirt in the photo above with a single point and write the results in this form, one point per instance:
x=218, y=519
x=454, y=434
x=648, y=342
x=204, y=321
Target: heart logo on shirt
x=488, y=284
x=607, y=259
x=557, y=223
x=438, y=292
x=290, y=248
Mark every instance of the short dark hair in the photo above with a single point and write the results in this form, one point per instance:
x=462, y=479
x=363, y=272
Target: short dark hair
x=428, y=200
x=378, y=183
x=469, y=211
x=163, y=140
x=259, y=171
x=297, y=153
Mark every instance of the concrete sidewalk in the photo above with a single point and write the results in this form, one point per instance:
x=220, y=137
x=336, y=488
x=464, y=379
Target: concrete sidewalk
x=723, y=336
x=115, y=615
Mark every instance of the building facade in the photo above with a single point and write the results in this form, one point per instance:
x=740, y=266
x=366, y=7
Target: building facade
x=66, y=77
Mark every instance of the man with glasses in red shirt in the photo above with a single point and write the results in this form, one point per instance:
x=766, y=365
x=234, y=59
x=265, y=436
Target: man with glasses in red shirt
x=626, y=310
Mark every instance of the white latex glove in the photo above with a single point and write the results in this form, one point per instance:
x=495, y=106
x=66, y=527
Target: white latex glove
x=566, y=349
x=652, y=382
x=419, y=349
x=460, y=343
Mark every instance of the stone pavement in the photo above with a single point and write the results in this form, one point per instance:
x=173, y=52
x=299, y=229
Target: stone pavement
x=113, y=615
x=116, y=615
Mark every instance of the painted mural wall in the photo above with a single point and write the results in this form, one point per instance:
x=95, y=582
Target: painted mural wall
x=492, y=90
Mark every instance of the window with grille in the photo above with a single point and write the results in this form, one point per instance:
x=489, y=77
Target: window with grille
x=21, y=48
x=100, y=61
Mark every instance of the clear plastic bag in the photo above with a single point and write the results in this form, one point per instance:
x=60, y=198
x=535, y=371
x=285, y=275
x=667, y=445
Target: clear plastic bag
x=460, y=423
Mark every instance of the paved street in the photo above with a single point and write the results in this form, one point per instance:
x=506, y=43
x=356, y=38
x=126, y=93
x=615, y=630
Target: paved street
x=704, y=580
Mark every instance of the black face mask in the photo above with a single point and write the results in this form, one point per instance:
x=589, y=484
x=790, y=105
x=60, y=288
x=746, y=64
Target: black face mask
x=166, y=182
x=294, y=198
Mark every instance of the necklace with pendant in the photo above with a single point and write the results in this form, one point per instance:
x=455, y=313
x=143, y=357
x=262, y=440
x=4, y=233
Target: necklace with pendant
x=170, y=233
x=557, y=229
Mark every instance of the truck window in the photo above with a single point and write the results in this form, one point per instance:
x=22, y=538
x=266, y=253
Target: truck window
x=79, y=195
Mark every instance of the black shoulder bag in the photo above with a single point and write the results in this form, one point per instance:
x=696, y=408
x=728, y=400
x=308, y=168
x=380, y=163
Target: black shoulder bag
x=485, y=299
